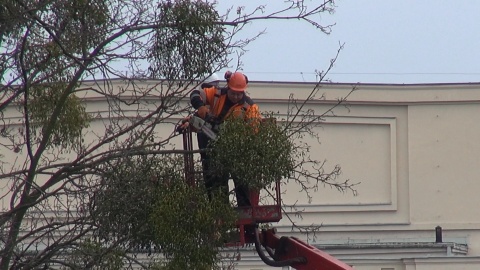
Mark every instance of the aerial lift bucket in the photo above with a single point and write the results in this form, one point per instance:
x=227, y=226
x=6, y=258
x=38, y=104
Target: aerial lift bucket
x=188, y=156
x=250, y=216
x=254, y=197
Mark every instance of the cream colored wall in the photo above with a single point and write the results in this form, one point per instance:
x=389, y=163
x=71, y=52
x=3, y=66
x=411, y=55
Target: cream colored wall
x=444, y=160
x=414, y=148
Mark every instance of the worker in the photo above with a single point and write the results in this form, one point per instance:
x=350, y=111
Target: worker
x=216, y=104
x=211, y=81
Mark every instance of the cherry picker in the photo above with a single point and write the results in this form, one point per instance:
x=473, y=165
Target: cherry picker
x=274, y=250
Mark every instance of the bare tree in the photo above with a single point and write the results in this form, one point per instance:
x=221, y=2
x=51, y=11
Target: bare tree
x=141, y=58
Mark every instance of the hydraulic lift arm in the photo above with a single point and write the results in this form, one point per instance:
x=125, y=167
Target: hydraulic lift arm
x=290, y=251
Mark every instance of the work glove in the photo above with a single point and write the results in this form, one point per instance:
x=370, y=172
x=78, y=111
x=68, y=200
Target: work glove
x=183, y=125
x=203, y=112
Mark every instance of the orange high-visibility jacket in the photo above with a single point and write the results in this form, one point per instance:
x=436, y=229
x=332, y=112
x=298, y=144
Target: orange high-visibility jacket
x=215, y=99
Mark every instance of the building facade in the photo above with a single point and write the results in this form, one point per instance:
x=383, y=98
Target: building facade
x=412, y=152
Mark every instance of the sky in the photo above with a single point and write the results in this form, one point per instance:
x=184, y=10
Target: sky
x=384, y=41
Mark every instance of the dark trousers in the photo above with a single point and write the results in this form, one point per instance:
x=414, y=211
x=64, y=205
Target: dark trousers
x=215, y=182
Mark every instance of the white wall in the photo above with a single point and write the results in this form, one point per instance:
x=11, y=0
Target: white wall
x=415, y=151
x=414, y=148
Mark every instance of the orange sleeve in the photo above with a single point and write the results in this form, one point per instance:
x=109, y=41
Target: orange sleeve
x=253, y=112
x=253, y=116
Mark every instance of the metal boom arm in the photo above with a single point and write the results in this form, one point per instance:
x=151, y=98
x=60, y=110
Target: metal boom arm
x=290, y=251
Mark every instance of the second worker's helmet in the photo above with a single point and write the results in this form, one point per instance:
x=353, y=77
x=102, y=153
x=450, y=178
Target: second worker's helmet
x=238, y=82
x=212, y=79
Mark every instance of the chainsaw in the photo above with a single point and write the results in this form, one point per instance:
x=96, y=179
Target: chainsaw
x=199, y=125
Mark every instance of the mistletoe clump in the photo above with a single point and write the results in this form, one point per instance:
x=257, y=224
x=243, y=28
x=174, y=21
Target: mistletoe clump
x=70, y=121
x=146, y=200
x=126, y=195
x=257, y=153
x=189, y=226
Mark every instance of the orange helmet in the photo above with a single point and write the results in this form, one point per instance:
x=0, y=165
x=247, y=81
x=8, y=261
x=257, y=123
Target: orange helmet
x=238, y=82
